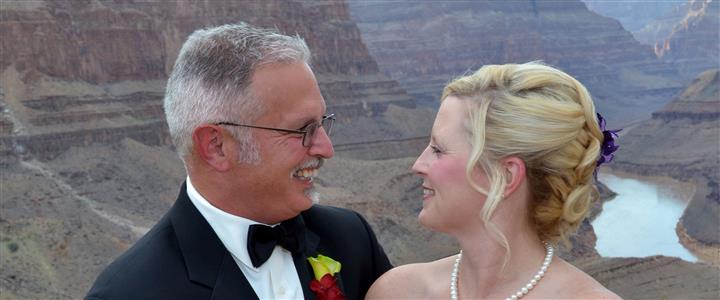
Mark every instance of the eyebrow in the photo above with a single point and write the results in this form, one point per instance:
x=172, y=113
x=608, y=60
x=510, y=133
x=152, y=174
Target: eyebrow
x=305, y=124
x=310, y=120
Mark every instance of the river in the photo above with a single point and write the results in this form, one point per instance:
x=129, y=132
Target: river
x=641, y=220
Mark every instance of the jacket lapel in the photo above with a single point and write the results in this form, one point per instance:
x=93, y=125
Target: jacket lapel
x=305, y=272
x=207, y=261
x=231, y=283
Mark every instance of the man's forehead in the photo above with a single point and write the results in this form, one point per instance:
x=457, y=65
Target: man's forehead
x=296, y=112
x=289, y=89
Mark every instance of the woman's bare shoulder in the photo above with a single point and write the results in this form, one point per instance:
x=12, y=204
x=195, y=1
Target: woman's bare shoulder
x=411, y=281
x=583, y=285
x=589, y=288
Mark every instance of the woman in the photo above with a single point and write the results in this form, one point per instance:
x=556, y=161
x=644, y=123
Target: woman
x=508, y=173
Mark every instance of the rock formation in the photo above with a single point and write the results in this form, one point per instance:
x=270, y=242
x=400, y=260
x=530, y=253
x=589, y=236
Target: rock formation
x=681, y=141
x=657, y=30
x=694, y=43
x=633, y=15
x=109, y=61
x=425, y=44
x=652, y=277
x=63, y=220
x=687, y=36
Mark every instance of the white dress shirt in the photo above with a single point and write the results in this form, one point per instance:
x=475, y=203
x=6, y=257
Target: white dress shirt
x=277, y=278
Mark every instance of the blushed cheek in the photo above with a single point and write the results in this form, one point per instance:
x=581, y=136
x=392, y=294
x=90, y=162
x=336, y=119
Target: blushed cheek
x=447, y=178
x=451, y=172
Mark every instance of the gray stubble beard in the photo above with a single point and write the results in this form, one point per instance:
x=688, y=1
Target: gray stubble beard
x=313, y=194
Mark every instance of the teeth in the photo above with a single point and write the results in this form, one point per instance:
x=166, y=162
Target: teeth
x=428, y=192
x=306, y=173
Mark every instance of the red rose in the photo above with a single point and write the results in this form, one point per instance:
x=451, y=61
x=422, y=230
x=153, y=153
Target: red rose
x=326, y=288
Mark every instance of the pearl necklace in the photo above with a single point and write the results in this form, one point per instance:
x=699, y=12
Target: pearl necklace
x=521, y=292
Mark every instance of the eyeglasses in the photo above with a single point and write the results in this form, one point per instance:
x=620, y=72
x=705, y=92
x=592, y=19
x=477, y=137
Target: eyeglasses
x=308, y=131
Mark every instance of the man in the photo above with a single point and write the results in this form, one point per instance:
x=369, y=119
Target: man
x=247, y=118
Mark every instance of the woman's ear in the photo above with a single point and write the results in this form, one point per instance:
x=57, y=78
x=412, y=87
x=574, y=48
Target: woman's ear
x=208, y=143
x=514, y=169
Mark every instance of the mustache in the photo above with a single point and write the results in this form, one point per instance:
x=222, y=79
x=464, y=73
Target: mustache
x=314, y=163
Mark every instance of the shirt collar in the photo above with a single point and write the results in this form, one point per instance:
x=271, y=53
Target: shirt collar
x=231, y=229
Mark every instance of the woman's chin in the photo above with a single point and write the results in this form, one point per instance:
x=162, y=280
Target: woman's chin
x=425, y=219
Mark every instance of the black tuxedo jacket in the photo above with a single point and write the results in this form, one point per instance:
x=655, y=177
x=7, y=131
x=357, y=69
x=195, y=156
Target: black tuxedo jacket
x=182, y=258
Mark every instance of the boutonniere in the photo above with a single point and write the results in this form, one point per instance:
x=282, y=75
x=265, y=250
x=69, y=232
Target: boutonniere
x=325, y=285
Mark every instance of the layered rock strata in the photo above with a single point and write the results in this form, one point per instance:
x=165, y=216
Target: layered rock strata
x=687, y=36
x=655, y=277
x=425, y=44
x=109, y=60
x=693, y=45
x=658, y=29
x=634, y=15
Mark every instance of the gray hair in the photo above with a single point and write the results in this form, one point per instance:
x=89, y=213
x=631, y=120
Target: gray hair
x=211, y=78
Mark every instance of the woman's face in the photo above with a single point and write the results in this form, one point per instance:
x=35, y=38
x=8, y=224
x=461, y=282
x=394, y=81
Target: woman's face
x=448, y=199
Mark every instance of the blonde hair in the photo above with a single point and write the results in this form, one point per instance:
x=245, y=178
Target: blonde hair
x=544, y=117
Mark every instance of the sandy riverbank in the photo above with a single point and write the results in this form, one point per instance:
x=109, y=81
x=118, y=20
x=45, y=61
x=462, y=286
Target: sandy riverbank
x=705, y=253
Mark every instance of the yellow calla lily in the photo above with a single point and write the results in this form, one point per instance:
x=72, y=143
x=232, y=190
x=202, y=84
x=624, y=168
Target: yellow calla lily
x=323, y=265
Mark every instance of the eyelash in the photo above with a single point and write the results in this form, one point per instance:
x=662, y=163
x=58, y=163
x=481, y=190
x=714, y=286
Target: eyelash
x=435, y=150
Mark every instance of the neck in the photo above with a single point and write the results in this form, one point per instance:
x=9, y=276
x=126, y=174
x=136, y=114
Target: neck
x=483, y=262
x=209, y=188
x=222, y=194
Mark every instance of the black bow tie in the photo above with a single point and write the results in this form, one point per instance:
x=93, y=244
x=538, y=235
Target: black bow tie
x=262, y=239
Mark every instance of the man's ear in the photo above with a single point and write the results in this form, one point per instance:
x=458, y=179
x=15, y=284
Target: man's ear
x=210, y=146
x=515, y=171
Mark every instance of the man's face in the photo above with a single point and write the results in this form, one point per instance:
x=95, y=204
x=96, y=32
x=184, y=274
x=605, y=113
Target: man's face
x=280, y=187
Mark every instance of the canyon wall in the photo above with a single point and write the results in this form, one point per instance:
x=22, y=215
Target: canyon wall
x=634, y=15
x=693, y=45
x=425, y=44
x=683, y=33
x=109, y=59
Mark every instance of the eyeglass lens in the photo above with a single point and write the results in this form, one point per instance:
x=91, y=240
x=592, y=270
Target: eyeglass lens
x=326, y=124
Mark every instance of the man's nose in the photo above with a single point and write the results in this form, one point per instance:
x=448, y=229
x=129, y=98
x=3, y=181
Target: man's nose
x=321, y=144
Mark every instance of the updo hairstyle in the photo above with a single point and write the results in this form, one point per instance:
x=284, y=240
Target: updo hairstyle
x=544, y=117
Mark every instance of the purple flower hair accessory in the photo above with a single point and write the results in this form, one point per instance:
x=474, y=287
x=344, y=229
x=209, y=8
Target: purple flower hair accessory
x=608, y=147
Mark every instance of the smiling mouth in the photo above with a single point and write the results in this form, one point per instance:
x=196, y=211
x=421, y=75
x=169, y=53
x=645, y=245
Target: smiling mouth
x=307, y=174
x=308, y=170
x=428, y=192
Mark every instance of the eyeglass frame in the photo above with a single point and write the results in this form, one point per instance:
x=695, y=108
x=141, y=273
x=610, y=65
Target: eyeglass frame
x=304, y=130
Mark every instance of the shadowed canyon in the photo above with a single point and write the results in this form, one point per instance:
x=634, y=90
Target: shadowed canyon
x=88, y=167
